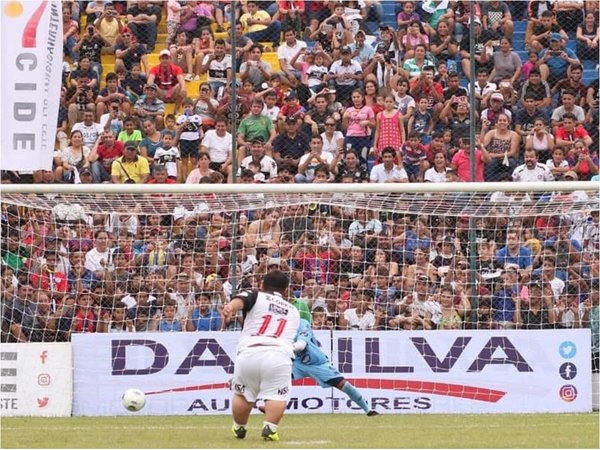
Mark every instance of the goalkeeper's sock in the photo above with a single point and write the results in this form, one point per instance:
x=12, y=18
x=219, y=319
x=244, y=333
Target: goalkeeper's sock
x=355, y=396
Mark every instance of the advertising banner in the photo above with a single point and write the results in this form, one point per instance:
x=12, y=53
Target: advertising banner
x=397, y=372
x=31, y=73
x=36, y=379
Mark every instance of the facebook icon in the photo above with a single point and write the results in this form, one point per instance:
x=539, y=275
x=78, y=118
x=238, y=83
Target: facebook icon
x=567, y=371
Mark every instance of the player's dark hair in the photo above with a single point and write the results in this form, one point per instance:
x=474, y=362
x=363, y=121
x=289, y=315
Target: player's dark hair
x=276, y=281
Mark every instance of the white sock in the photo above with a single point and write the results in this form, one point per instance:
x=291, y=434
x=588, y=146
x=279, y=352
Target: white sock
x=237, y=426
x=272, y=426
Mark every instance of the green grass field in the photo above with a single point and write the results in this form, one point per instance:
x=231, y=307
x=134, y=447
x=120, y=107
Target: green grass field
x=309, y=431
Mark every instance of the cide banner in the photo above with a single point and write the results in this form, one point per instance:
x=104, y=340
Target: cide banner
x=31, y=73
x=397, y=372
x=181, y=373
x=35, y=379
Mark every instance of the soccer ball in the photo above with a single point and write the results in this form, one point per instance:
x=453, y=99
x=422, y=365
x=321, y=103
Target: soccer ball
x=134, y=399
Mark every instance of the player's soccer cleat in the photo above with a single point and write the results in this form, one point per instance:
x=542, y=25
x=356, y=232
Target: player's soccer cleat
x=240, y=432
x=372, y=413
x=268, y=434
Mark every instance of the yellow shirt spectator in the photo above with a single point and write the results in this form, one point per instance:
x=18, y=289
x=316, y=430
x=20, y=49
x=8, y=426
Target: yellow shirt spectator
x=130, y=166
x=259, y=20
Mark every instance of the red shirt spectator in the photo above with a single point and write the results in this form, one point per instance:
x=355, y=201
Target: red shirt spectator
x=461, y=162
x=166, y=76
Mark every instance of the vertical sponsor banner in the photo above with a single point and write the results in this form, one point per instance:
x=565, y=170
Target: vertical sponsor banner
x=35, y=379
x=397, y=372
x=31, y=73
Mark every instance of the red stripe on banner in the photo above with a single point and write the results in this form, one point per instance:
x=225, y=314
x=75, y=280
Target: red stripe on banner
x=427, y=387
x=29, y=37
x=200, y=387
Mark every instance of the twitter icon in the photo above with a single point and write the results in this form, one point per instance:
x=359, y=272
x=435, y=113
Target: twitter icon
x=567, y=350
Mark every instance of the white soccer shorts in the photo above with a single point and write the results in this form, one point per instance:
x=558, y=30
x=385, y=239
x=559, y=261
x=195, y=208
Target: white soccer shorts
x=264, y=373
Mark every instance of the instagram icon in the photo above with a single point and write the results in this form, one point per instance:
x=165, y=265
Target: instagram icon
x=568, y=393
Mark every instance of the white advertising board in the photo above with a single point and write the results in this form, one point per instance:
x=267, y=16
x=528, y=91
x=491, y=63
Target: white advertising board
x=397, y=372
x=36, y=379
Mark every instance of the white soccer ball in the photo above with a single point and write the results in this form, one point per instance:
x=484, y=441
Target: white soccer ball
x=134, y=399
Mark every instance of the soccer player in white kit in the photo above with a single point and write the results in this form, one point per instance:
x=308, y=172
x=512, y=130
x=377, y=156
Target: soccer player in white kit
x=263, y=366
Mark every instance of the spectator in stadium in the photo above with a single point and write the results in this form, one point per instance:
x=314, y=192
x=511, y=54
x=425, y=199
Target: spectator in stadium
x=569, y=14
x=151, y=141
x=570, y=131
x=483, y=41
x=554, y=61
x=218, y=66
x=387, y=171
x=142, y=19
x=496, y=17
x=80, y=98
x=515, y=253
x=588, y=36
x=461, y=161
x=309, y=162
x=112, y=93
x=150, y=107
x=129, y=51
x=90, y=131
x=109, y=27
x=105, y=151
x=89, y=47
x=169, y=80
x=71, y=160
x=268, y=166
x=502, y=145
x=538, y=312
x=572, y=84
x=259, y=26
x=131, y=167
x=582, y=160
x=507, y=63
x=539, y=139
x=253, y=127
x=203, y=316
x=291, y=145
x=544, y=27
x=217, y=143
x=255, y=69
x=182, y=54
x=532, y=170
x=345, y=75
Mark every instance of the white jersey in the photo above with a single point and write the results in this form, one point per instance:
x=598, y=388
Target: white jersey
x=269, y=320
x=539, y=173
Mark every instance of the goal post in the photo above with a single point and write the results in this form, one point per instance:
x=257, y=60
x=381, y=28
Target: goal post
x=425, y=296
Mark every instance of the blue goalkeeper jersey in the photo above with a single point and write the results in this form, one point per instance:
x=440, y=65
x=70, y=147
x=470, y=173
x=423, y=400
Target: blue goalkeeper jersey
x=312, y=354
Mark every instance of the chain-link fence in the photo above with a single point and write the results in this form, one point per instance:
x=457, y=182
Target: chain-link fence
x=328, y=86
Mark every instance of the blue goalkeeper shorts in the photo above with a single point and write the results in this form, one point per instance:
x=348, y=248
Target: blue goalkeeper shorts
x=322, y=373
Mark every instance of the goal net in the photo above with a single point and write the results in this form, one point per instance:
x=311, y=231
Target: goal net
x=77, y=254
x=469, y=257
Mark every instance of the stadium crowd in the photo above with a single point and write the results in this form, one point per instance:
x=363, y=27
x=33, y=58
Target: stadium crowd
x=345, y=104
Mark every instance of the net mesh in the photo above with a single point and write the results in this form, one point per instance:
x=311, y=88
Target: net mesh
x=157, y=262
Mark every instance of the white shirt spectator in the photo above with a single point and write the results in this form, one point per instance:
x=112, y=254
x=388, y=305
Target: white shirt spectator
x=268, y=166
x=168, y=158
x=89, y=133
x=356, y=227
x=379, y=174
x=433, y=176
x=217, y=70
x=309, y=172
x=366, y=322
x=550, y=164
x=539, y=173
x=559, y=112
x=353, y=68
x=331, y=146
x=93, y=258
x=286, y=53
x=219, y=148
x=271, y=112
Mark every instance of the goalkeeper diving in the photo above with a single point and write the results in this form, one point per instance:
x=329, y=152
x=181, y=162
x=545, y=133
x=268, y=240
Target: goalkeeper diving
x=310, y=361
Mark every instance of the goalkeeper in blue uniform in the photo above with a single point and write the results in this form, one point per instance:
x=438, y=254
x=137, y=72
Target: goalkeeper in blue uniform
x=311, y=362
